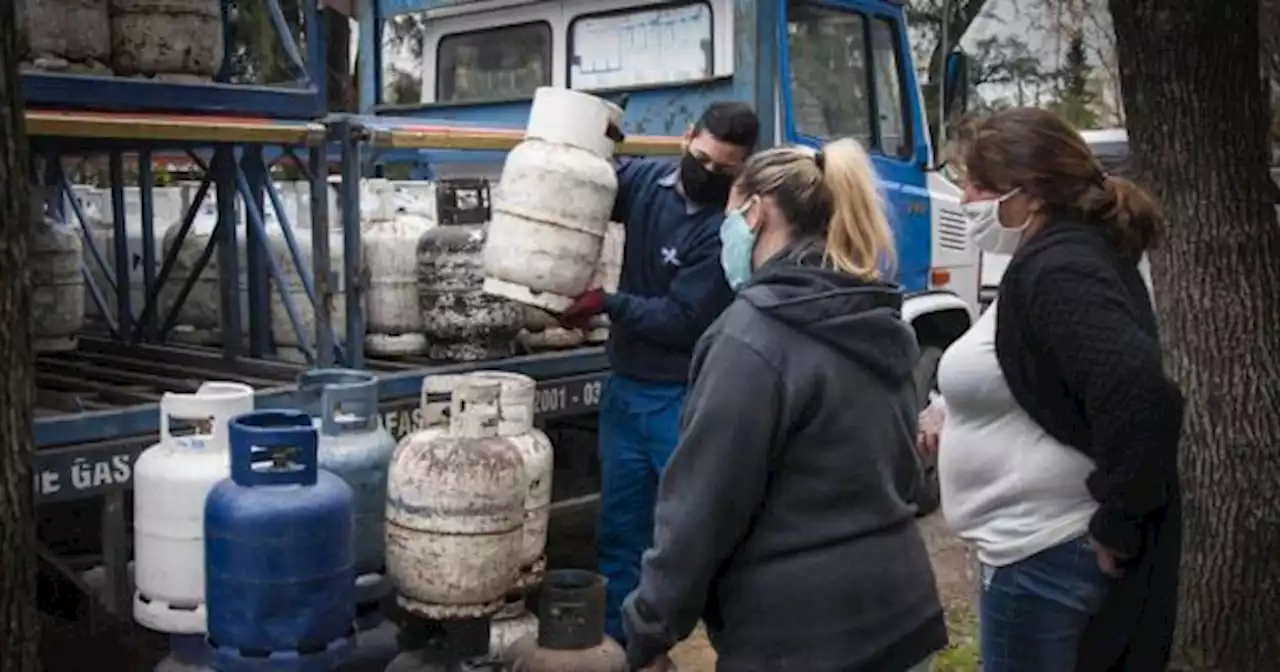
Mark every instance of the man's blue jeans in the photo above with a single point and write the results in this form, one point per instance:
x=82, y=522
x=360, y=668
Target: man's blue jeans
x=1032, y=613
x=639, y=429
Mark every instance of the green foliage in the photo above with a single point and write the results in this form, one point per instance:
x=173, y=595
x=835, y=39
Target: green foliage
x=1076, y=100
x=258, y=55
x=961, y=655
x=405, y=31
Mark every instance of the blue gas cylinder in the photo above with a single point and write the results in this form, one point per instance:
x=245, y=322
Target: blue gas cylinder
x=279, y=551
x=343, y=404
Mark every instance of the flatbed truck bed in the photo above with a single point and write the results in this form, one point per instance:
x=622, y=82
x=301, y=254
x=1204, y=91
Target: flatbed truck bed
x=98, y=410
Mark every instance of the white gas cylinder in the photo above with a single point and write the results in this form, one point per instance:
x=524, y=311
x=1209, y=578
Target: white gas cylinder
x=57, y=286
x=282, y=331
x=95, y=208
x=169, y=205
x=608, y=275
x=510, y=625
x=553, y=202
x=455, y=511
x=302, y=191
x=433, y=408
x=420, y=191
x=290, y=201
x=171, y=37
x=200, y=315
x=61, y=33
x=375, y=203
x=390, y=245
x=516, y=423
x=609, y=267
x=170, y=482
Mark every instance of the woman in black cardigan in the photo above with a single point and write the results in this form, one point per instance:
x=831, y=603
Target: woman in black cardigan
x=1059, y=428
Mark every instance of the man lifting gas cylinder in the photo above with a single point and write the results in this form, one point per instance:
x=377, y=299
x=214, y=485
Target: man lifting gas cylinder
x=672, y=287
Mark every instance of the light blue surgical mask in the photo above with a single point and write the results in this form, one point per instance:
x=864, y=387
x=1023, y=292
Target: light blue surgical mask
x=737, y=243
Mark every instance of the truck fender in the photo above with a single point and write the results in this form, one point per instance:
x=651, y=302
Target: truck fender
x=921, y=304
x=938, y=318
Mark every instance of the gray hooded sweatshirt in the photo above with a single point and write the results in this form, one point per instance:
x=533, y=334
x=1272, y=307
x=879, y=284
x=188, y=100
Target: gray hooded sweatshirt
x=783, y=519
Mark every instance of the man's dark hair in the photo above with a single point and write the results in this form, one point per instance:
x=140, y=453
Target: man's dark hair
x=732, y=122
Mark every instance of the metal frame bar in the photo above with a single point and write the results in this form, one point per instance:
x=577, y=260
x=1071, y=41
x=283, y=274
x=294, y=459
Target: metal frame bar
x=563, y=395
x=353, y=255
x=305, y=97
x=570, y=382
x=399, y=383
x=238, y=169
x=251, y=182
x=322, y=294
x=120, y=314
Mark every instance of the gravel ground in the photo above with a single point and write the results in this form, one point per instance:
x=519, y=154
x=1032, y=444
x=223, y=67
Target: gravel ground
x=956, y=574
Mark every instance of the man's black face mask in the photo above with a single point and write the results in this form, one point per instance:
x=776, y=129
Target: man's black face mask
x=701, y=185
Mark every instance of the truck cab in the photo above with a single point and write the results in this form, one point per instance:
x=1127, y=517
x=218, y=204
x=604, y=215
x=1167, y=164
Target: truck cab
x=814, y=70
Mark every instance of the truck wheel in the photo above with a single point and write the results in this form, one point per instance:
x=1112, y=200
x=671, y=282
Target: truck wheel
x=928, y=498
x=927, y=374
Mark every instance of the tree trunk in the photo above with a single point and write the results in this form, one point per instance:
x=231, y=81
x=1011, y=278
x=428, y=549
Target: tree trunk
x=963, y=14
x=1269, y=26
x=19, y=620
x=1197, y=119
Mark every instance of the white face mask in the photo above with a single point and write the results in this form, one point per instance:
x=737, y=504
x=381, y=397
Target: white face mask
x=985, y=229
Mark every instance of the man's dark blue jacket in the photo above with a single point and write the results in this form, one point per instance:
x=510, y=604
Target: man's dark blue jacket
x=672, y=286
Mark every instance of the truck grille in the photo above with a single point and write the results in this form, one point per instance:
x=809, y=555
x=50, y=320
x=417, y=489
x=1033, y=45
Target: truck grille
x=951, y=230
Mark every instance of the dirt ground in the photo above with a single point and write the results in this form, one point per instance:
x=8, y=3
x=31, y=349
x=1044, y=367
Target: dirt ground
x=956, y=573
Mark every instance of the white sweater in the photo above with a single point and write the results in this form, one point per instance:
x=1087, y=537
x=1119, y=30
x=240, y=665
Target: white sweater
x=1007, y=486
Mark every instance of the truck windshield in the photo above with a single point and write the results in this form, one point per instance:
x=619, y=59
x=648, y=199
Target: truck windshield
x=830, y=80
x=827, y=49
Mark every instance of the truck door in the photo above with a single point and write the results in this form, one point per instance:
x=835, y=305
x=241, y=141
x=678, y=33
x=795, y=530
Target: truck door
x=845, y=73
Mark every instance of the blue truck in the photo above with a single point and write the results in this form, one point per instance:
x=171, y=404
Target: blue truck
x=813, y=69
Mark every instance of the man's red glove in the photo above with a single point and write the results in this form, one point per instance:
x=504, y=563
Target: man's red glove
x=583, y=309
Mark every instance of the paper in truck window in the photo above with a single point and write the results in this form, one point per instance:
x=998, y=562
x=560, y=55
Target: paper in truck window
x=641, y=48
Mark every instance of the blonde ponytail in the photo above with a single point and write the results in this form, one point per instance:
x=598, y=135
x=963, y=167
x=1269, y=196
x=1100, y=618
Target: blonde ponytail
x=859, y=240
x=831, y=194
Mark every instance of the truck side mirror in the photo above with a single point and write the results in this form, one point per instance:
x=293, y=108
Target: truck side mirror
x=955, y=84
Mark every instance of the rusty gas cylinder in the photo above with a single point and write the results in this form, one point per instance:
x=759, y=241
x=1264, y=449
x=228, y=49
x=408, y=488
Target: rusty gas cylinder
x=455, y=511
x=570, y=635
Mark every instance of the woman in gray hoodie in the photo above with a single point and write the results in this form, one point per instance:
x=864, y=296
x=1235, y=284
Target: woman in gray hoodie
x=783, y=518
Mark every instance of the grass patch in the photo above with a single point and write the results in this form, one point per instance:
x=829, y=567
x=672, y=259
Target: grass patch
x=961, y=655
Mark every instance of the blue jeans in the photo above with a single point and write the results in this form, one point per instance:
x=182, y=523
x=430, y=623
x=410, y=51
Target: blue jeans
x=1032, y=613
x=639, y=428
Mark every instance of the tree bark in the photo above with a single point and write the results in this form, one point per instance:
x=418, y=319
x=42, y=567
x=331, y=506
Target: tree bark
x=1197, y=119
x=1269, y=26
x=963, y=14
x=19, y=619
